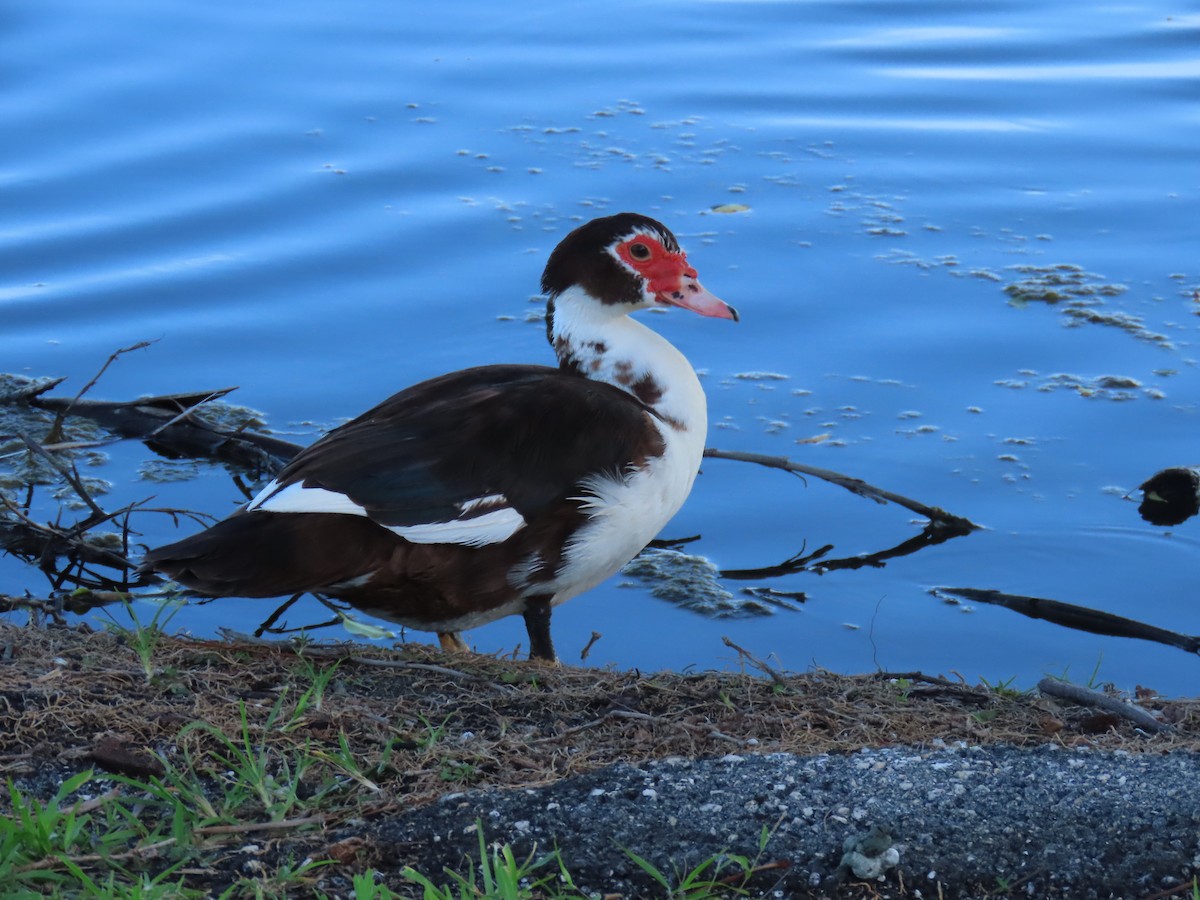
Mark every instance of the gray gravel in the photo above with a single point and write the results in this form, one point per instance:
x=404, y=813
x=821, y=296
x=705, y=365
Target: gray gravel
x=951, y=822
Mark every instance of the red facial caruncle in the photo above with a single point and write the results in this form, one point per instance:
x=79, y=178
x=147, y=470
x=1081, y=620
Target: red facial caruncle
x=669, y=277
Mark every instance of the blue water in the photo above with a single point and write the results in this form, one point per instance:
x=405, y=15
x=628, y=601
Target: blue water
x=323, y=203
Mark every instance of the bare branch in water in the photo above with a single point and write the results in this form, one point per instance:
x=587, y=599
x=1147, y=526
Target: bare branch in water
x=71, y=477
x=956, y=524
x=166, y=425
x=1080, y=618
x=112, y=358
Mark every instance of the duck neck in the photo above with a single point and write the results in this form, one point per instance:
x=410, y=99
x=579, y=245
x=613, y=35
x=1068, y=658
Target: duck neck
x=604, y=344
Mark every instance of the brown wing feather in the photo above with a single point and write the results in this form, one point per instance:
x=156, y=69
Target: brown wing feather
x=528, y=432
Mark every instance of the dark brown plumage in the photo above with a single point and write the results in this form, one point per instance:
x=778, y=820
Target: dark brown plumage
x=496, y=490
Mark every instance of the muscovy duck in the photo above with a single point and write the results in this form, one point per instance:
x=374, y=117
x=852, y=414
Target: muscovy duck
x=496, y=490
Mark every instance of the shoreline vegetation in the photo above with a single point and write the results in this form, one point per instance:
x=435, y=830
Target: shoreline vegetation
x=142, y=763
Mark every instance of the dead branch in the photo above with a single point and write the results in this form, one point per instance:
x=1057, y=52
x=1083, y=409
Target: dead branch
x=166, y=425
x=1080, y=618
x=112, y=358
x=33, y=541
x=32, y=389
x=774, y=674
x=689, y=727
x=932, y=535
x=936, y=515
x=248, y=827
x=1087, y=697
x=71, y=477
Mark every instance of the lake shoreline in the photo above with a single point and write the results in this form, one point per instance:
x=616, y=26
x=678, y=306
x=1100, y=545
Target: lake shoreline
x=382, y=743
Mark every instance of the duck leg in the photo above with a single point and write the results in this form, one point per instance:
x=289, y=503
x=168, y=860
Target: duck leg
x=452, y=642
x=537, y=623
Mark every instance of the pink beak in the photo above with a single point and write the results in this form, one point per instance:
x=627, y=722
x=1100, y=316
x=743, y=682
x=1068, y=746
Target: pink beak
x=692, y=295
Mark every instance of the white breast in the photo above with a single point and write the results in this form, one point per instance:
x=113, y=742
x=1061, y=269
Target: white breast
x=627, y=513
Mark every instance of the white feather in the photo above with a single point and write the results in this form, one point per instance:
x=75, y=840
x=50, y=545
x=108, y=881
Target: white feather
x=476, y=531
x=490, y=500
x=298, y=498
x=490, y=528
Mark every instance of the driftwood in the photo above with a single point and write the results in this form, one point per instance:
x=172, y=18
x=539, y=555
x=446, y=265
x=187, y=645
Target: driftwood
x=165, y=424
x=1080, y=618
x=1096, y=700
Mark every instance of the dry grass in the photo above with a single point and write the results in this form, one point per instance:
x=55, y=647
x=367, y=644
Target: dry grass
x=64, y=692
x=401, y=728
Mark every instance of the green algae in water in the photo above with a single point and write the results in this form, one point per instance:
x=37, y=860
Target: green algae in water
x=1057, y=283
x=164, y=471
x=1082, y=295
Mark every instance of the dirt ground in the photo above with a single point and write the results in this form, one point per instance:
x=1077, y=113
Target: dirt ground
x=421, y=724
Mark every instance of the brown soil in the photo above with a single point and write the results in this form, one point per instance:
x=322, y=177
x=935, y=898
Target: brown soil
x=421, y=724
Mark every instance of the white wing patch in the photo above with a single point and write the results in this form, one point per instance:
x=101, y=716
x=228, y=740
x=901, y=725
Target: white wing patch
x=493, y=527
x=300, y=499
x=490, y=528
x=491, y=500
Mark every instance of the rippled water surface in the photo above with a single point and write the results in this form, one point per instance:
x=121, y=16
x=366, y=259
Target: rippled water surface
x=323, y=203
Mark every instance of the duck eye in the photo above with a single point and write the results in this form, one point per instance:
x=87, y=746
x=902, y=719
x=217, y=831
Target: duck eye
x=639, y=251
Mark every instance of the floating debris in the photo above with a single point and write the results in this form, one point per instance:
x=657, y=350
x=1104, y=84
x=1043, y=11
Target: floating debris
x=730, y=208
x=692, y=582
x=1106, y=387
x=1081, y=294
x=760, y=376
x=163, y=471
x=1054, y=284
x=783, y=599
x=1117, y=381
x=1079, y=314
